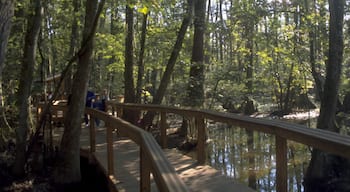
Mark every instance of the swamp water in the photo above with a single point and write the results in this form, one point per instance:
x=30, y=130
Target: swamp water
x=255, y=164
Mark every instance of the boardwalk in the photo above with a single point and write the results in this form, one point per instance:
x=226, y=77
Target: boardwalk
x=126, y=154
x=125, y=164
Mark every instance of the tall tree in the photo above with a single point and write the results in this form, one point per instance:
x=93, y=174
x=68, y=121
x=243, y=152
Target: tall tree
x=147, y=120
x=129, y=87
x=67, y=172
x=25, y=84
x=327, y=172
x=141, y=66
x=195, y=89
x=6, y=14
x=73, y=43
x=129, y=90
x=174, y=55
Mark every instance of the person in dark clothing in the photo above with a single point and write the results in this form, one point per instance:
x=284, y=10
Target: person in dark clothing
x=99, y=106
x=90, y=98
x=104, y=98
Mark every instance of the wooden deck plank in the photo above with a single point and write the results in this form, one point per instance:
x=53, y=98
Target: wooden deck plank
x=201, y=178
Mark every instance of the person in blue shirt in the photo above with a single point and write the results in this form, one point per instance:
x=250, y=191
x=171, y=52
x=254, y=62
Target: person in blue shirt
x=90, y=98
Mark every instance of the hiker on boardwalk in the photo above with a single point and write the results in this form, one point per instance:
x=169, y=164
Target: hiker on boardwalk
x=90, y=98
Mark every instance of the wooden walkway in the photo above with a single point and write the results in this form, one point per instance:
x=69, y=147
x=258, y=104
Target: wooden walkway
x=124, y=164
x=201, y=178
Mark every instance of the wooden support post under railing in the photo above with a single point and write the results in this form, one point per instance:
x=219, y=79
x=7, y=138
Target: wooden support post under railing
x=92, y=135
x=281, y=164
x=119, y=112
x=201, y=139
x=110, y=160
x=163, y=127
x=113, y=110
x=145, y=173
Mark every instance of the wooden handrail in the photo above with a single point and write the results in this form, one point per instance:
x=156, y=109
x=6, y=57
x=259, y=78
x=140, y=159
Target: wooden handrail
x=324, y=140
x=152, y=158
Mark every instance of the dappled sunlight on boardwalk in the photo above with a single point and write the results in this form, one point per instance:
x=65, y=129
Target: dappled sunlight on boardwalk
x=201, y=177
x=127, y=163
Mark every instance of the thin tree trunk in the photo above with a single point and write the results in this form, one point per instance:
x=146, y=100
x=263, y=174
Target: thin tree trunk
x=141, y=66
x=73, y=45
x=319, y=80
x=174, y=54
x=147, y=120
x=24, y=90
x=6, y=14
x=67, y=171
x=113, y=31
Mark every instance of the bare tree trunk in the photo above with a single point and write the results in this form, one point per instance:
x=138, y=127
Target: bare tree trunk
x=6, y=14
x=73, y=45
x=195, y=88
x=287, y=106
x=67, y=172
x=328, y=172
x=141, y=67
x=129, y=87
x=26, y=78
x=113, y=31
x=147, y=120
x=319, y=80
x=174, y=54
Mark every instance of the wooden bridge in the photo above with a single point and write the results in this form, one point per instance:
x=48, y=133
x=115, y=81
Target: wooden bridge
x=133, y=160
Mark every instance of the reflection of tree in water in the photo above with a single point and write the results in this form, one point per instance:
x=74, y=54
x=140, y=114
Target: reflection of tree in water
x=228, y=152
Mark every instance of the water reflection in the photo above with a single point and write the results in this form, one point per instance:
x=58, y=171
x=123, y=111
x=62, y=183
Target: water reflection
x=254, y=164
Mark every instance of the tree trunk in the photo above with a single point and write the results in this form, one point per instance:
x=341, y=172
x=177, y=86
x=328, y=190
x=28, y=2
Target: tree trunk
x=319, y=80
x=174, y=54
x=287, y=106
x=67, y=172
x=141, y=67
x=129, y=96
x=129, y=88
x=327, y=172
x=6, y=14
x=147, y=120
x=195, y=89
x=24, y=90
x=114, y=31
x=73, y=45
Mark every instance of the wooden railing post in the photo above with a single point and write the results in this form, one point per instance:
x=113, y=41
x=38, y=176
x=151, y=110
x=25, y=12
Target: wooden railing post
x=163, y=127
x=145, y=172
x=281, y=164
x=92, y=135
x=113, y=109
x=110, y=160
x=119, y=112
x=201, y=139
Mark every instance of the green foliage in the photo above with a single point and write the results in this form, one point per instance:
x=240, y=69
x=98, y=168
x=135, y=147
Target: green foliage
x=278, y=34
x=110, y=46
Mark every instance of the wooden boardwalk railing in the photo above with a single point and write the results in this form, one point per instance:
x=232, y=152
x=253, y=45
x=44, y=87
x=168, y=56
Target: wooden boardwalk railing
x=152, y=158
x=324, y=140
